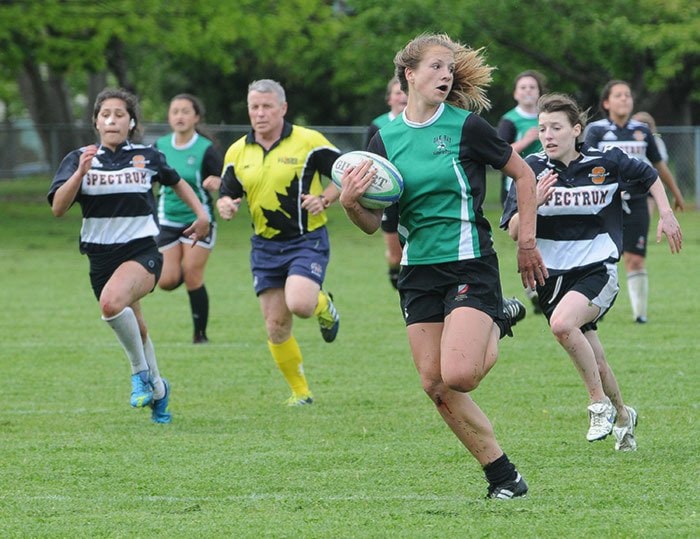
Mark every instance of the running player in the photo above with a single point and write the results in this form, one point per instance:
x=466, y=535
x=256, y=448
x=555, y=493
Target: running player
x=449, y=284
x=112, y=181
x=617, y=129
x=579, y=231
x=199, y=163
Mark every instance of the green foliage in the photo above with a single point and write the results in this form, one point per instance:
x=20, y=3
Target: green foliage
x=335, y=62
x=371, y=458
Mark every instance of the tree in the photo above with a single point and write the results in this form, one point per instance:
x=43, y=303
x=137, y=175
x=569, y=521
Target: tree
x=579, y=47
x=334, y=58
x=654, y=45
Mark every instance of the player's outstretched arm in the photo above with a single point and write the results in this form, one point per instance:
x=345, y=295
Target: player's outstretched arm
x=667, y=178
x=668, y=224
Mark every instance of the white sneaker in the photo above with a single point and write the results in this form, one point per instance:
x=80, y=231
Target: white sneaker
x=624, y=436
x=602, y=418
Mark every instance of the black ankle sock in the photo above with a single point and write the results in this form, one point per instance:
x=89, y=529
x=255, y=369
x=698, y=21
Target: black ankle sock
x=500, y=470
x=199, y=303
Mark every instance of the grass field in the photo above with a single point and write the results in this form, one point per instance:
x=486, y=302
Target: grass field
x=371, y=457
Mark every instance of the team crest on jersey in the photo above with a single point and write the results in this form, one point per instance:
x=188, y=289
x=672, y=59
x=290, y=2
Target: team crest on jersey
x=441, y=143
x=639, y=135
x=139, y=161
x=191, y=160
x=598, y=175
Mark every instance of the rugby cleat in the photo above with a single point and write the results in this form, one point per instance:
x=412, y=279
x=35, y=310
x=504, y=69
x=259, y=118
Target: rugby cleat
x=509, y=489
x=141, y=390
x=329, y=320
x=602, y=418
x=160, y=409
x=300, y=400
x=624, y=436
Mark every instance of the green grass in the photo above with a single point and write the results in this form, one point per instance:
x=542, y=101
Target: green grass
x=371, y=458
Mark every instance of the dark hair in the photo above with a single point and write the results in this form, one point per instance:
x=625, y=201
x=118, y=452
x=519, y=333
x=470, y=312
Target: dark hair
x=196, y=104
x=563, y=103
x=199, y=110
x=471, y=74
x=605, y=93
x=539, y=79
x=130, y=100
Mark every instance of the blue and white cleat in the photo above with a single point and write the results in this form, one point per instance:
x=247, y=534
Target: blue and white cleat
x=160, y=409
x=141, y=390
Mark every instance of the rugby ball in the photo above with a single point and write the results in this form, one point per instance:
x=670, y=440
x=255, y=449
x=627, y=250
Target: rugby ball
x=386, y=186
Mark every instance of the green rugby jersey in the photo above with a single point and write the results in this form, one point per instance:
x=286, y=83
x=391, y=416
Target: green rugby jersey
x=379, y=122
x=443, y=163
x=513, y=126
x=195, y=161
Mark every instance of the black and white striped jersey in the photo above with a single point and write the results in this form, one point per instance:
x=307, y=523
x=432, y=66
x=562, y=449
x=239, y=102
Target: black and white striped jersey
x=116, y=196
x=581, y=223
x=634, y=138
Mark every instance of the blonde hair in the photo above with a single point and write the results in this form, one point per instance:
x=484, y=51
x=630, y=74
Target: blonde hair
x=471, y=73
x=646, y=118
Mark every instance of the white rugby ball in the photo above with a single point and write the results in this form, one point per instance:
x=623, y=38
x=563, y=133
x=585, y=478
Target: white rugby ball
x=386, y=186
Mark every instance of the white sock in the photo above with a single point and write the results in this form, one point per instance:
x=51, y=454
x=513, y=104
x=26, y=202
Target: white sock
x=126, y=327
x=638, y=289
x=154, y=374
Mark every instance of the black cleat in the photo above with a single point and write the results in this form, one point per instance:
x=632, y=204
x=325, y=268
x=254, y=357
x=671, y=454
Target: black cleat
x=513, y=312
x=514, y=309
x=508, y=490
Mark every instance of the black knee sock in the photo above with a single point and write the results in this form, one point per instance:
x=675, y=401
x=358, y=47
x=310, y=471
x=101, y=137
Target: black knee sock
x=199, y=303
x=500, y=470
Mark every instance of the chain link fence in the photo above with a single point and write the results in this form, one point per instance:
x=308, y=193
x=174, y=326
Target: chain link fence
x=22, y=152
x=683, y=145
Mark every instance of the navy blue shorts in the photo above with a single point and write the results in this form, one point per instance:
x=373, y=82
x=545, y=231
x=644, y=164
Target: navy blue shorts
x=273, y=261
x=430, y=292
x=103, y=265
x=635, y=226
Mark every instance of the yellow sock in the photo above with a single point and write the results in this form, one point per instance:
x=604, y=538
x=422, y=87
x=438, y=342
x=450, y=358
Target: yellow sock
x=322, y=303
x=287, y=355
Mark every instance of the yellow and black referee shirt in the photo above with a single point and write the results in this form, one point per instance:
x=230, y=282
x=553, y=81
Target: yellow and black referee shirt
x=274, y=180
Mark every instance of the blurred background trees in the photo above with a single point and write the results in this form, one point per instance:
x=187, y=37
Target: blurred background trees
x=333, y=57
